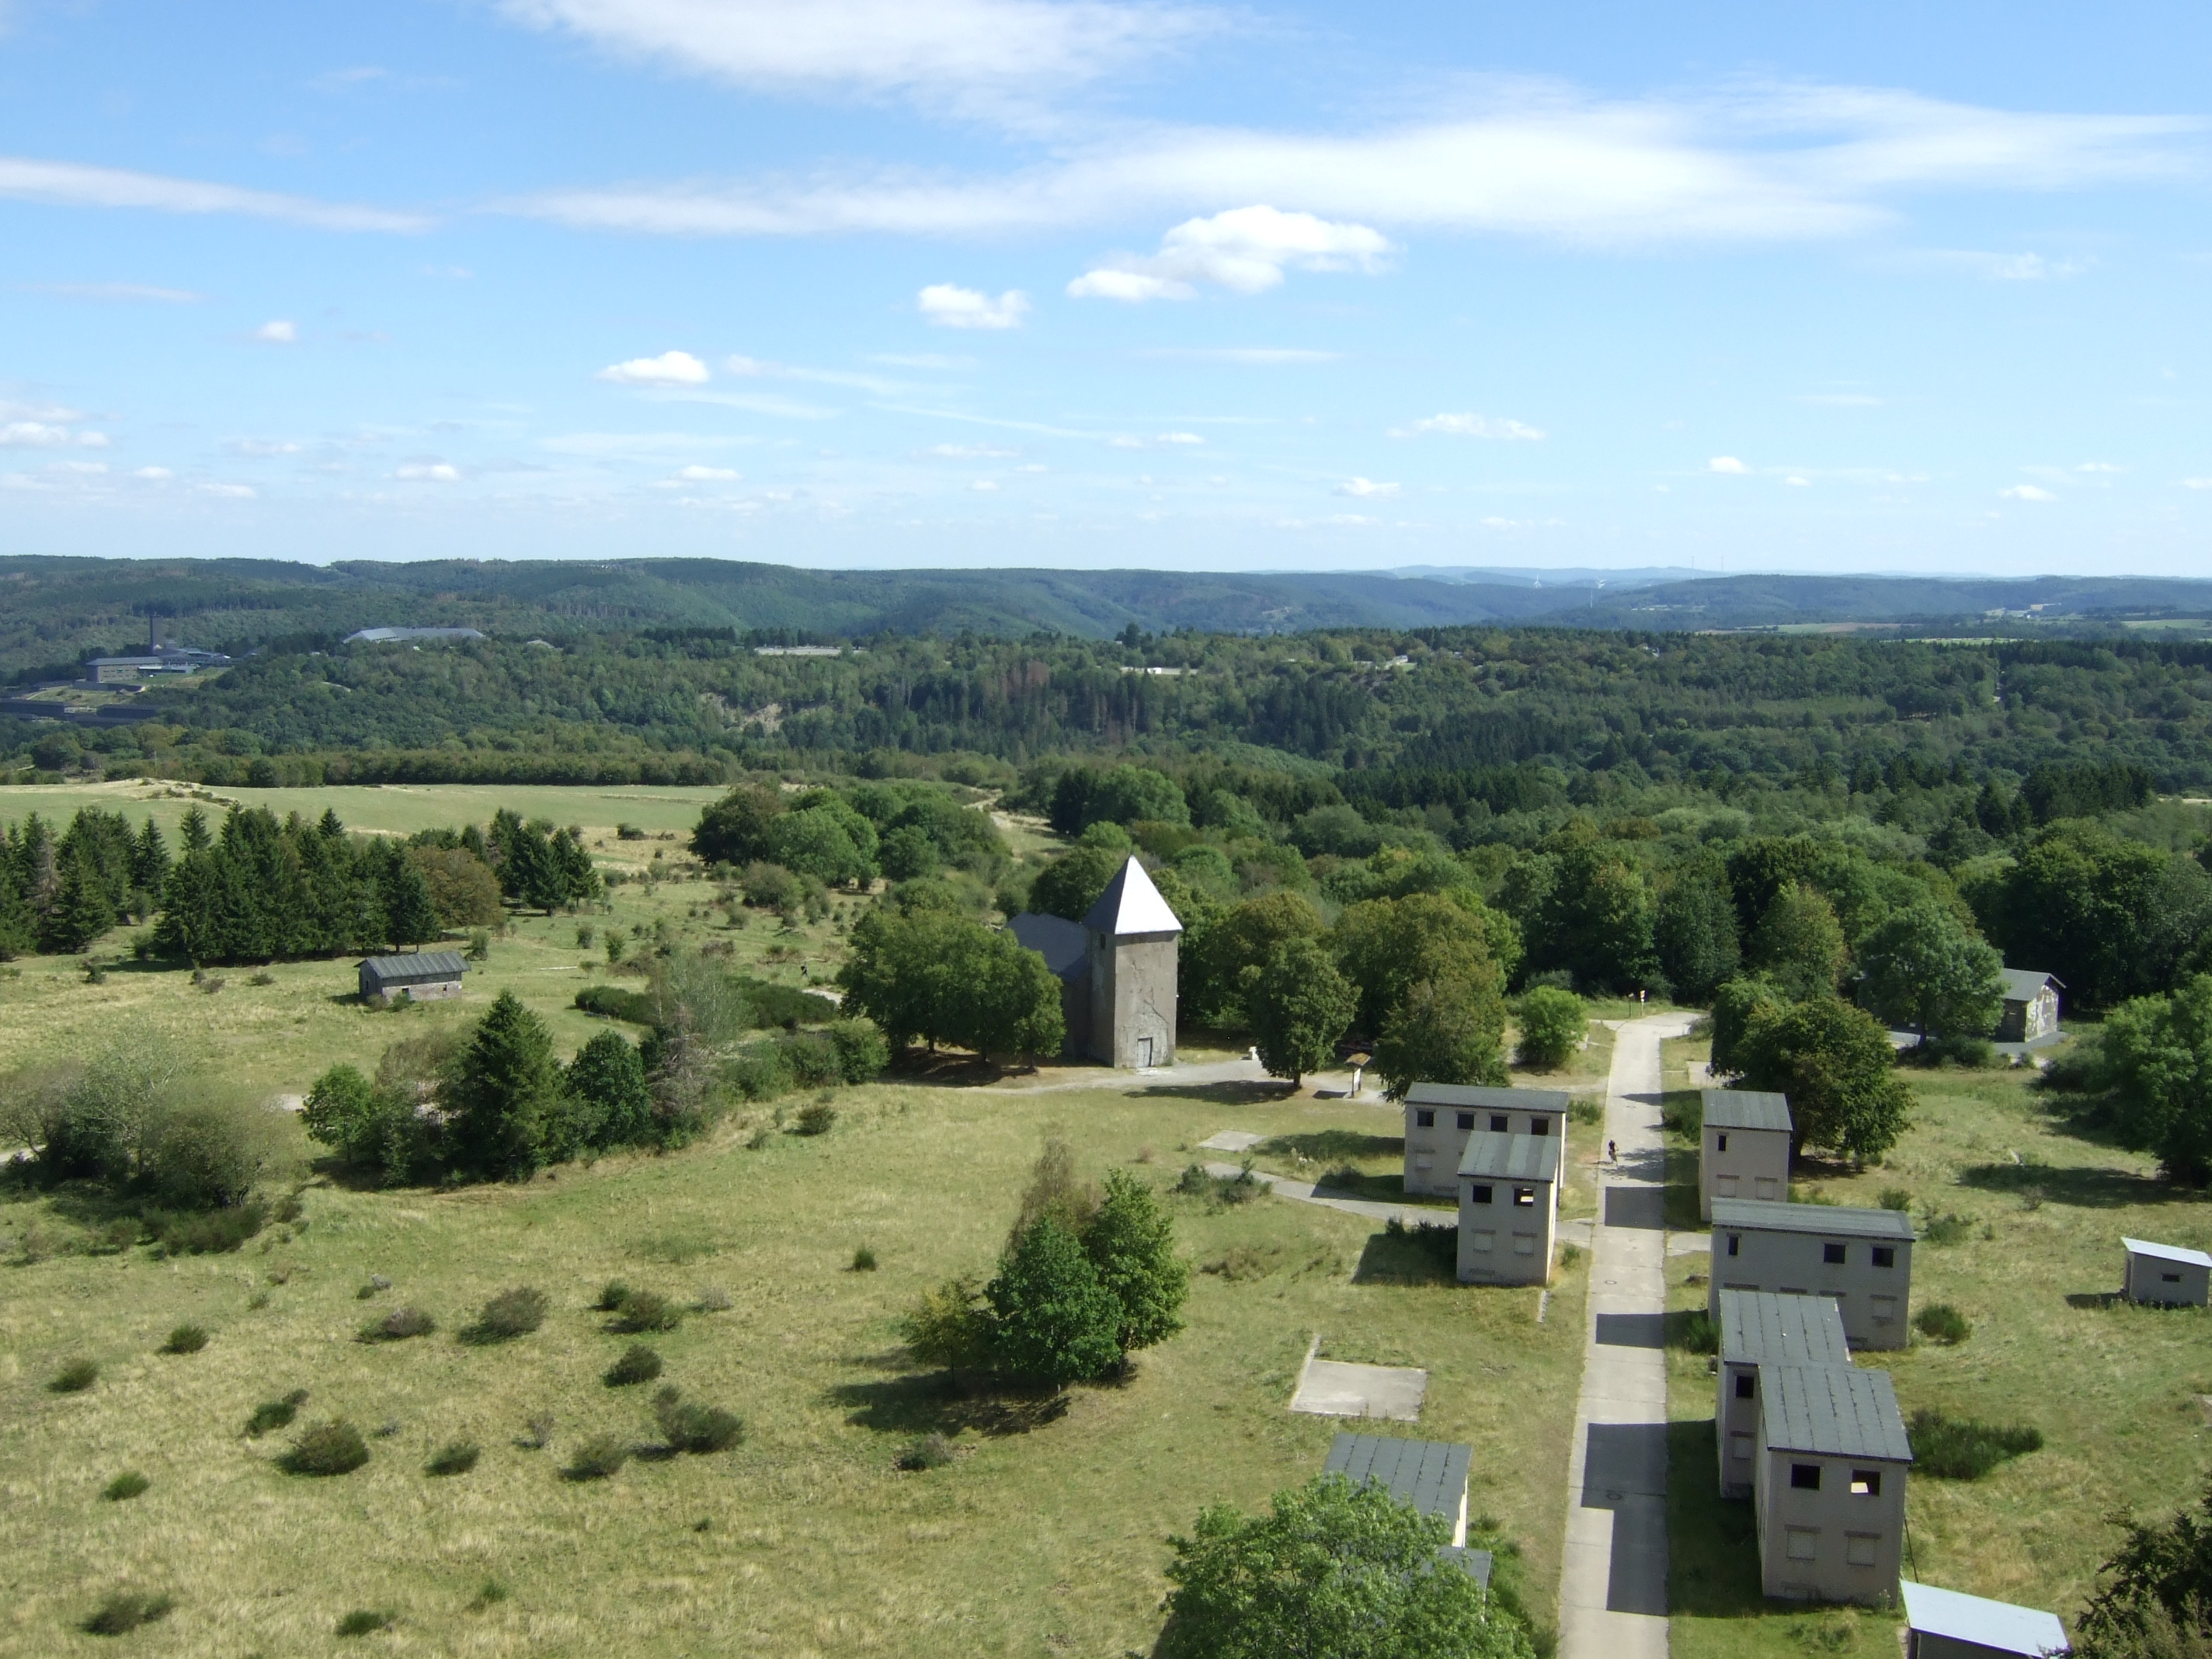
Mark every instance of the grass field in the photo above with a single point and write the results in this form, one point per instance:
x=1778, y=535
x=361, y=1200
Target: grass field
x=2118, y=1391
x=1042, y=1536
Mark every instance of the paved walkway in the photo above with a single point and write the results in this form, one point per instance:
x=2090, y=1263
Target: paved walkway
x=1613, y=1581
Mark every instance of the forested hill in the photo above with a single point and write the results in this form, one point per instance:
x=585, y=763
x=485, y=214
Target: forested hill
x=1438, y=716
x=54, y=612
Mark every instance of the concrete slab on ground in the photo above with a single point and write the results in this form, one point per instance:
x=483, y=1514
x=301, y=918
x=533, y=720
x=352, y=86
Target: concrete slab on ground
x=1329, y=1388
x=1231, y=1140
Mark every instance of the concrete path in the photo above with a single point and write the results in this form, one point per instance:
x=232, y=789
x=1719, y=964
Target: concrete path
x=1613, y=1581
x=1283, y=1187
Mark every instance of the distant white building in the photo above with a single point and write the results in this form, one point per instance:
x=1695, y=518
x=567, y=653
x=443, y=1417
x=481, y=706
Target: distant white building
x=1862, y=1258
x=1440, y=1116
x=385, y=636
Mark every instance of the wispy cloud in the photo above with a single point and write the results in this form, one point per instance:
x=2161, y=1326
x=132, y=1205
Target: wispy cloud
x=1469, y=426
x=969, y=453
x=601, y=444
x=428, y=472
x=1726, y=464
x=2026, y=493
x=277, y=331
x=1243, y=250
x=65, y=183
x=919, y=359
x=1989, y=266
x=1840, y=399
x=670, y=368
x=1254, y=356
x=1365, y=487
x=950, y=307
x=47, y=434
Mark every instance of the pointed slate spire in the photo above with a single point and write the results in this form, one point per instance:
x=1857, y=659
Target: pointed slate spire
x=1131, y=904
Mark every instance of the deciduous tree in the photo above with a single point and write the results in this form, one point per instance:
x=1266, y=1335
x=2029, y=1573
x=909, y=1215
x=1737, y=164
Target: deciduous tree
x=1298, y=1005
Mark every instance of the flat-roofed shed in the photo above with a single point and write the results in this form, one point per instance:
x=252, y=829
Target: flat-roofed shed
x=2168, y=1275
x=1429, y=1475
x=1943, y=1624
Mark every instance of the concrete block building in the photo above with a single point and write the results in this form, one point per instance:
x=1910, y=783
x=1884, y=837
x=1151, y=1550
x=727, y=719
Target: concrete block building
x=1862, y=1259
x=1431, y=1475
x=1828, y=1483
x=1942, y=1624
x=2167, y=1273
x=1759, y=1328
x=1440, y=1116
x=1116, y=969
x=1509, y=1208
x=1745, y=1150
x=424, y=975
x=2031, y=1005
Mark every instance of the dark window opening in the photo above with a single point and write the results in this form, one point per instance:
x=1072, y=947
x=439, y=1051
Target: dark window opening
x=1525, y=1197
x=1467, y=1120
x=1805, y=1477
x=1735, y=1243
x=1885, y=1255
x=1866, y=1483
x=1746, y=1386
x=1499, y=1123
x=1540, y=1126
x=1424, y=1119
x=1720, y=1143
x=1481, y=1196
x=1833, y=1254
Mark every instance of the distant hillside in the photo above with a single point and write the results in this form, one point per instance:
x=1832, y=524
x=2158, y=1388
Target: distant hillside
x=53, y=612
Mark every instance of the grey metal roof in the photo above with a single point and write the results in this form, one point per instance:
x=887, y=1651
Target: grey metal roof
x=1131, y=904
x=1064, y=945
x=2024, y=984
x=2167, y=1252
x=1831, y=1412
x=1511, y=1158
x=380, y=635
x=1746, y=1109
x=1985, y=1624
x=1759, y=1328
x=1475, y=1563
x=417, y=966
x=1429, y=1474
x=1498, y=1100
x=1832, y=1220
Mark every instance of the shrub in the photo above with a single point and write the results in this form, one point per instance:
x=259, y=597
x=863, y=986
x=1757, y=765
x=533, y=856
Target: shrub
x=1896, y=1198
x=327, y=1448
x=186, y=1338
x=596, y=1459
x=713, y=1299
x=398, y=1325
x=75, y=1377
x=510, y=1314
x=125, y=1610
x=1945, y=1230
x=816, y=1118
x=1939, y=1321
x=647, y=1310
x=637, y=1363
x=612, y=1295
x=1961, y=1448
x=690, y=1427
x=1696, y=1334
x=275, y=1413
x=1551, y=1025
x=128, y=1485
x=1588, y=1113
x=457, y=1457
x=213, y=1232
x=931, y=1451
x=366, y=1621
x=262, y=977
x=864, y=1261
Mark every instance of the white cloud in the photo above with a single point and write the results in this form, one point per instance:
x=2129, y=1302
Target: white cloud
x=2098, y=466
x=1365, y=487
x=429, y=472
x=1468, y=426
x=54, y=412
x=1840, y=400
x=2026, y=493
x=1989, y=267
x=1243, y=250
x=277, y=331
x=983, y=484
x=755, y=368
x=1255, y=357
x=229, y=492
x=962, y=48
x=1801, y=483
x=1725, y=463
x=670, y=368
x=949, y=306
x=2196, y=483
x=709, y=474
x=32, y=435
x=64, y=184
x=153, y=474
x=261, y=447
x=118, y=291
x=970, y=452
x=1535, y=158
x=1180, y=438
x=92, y=439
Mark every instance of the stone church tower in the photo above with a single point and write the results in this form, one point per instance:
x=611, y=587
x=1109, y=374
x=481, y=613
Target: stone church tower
x=1131, y=960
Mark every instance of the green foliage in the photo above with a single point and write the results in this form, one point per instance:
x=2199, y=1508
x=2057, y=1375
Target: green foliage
x=540, y=867
x=1799, y=943
x=186, y=1338
x=635, y=1363
x=1072, y=883
x=1553, y=1022
x=1694, y=932
x=949, y=1326
x=1594, y=917
x=946, y=979
x=817, y=1117
x=462, y=889
x=368, y=1126
x=455, y=1457
x=208, y=1232
x=613, y=1103
x=1298, y=1005
x=822, y=836
x=1333, y=1568
x=1218, y=949
x=929, y=1451
x=75, y=1377
x=2112, y=919
x=1939, y=1322
x=125, y=1611
x=864, y=1260
x=1446, y=1030
x=1835, y=1063
x=506, y=1103
x=398, y=1325
x=1963, y=1449
x=512, y=1313
x=1053, y=1319
x=734, y=830
x=688, y=1426
x=1945, y=1229
x=645, y=1310
x=1131, y=1241
x=125, y=1486
x=275, y=1413
x=1384, y=947
x=2157, y=1055
x=2153, y=1600
x=366, y=1621
x=327, y=1448
x=600, y=1458
x=1924, y=968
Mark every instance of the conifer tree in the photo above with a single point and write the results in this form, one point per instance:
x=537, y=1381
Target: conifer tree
x=504, y=1098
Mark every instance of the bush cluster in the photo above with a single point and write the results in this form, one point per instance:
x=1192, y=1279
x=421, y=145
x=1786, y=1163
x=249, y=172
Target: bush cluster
x=330, y=1447
x=688, y=1426
x=641, y=1311
x=186, y=1338
x=398, y=1325
x=512, y=1313
x=635, y=1363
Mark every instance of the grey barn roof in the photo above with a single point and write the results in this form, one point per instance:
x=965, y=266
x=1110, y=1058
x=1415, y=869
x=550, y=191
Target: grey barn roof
x=1759, y=1328
x=1832, y=1413
x=1064, y=945
x=1745, y=1108
x=416, y=968
x=2167, y=1252
x=1475, y=1563
x=1510, y=1158
x=1498, y=1100
x=1831, y=1220
x=2023, y=984
x=1131, y=904
x=1429, y=1474
x=1985, y=1624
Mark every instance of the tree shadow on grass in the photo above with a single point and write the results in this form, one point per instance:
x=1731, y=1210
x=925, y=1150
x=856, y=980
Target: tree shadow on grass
x=1333, y=1146
x=2094, y=1299
x=1413, y=1255
x=1712, y=1546
x=2078, y=1186
x=1237, y=1092
x=923, y=1403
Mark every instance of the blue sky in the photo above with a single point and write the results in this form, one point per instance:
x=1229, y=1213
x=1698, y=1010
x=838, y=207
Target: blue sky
x=873, y=282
